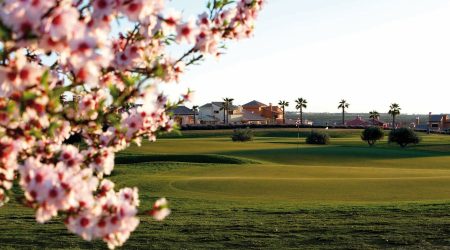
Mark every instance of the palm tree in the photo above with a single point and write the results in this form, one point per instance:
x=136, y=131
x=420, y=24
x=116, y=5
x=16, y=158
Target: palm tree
x=343, y=104
x=374, y=115
x=195, y=109
x=301, y=103
x=394, y=110
x=283, y=105
x=227, y=105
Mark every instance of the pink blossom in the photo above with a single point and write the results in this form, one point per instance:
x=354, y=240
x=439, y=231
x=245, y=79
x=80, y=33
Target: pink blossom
x=104, y=8
x=129, y=57
x=171, y=21
x=160, y=209
x=70, y=156
x=186, y=32
x=24, y=16
x=8, y=164
x=137, y=10
x=112, y=218
x=62, y=23
x=102, y=161
x=133, y=123
x=207, y=42
x=19, y=75
x=129, y=195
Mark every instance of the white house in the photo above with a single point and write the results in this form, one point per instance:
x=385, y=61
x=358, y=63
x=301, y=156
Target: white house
x=185, y=116
x=211, y=113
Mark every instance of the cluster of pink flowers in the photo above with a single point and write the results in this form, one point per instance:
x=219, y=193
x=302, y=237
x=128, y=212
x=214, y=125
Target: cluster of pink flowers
x=8, y=164
x=112, y=217
x=65, y=71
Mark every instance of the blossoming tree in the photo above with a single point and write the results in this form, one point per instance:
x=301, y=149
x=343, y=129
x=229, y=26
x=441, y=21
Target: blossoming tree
x=48, y=48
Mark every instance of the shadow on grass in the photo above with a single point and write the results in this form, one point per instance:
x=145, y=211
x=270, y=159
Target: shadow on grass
x=332, y=155
x=193, y=158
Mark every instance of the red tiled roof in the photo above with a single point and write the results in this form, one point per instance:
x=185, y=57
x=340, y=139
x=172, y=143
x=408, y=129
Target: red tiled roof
x=356, y=122
x=253, y=104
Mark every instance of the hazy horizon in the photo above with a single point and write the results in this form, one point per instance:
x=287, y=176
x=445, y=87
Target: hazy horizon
x=371, y=53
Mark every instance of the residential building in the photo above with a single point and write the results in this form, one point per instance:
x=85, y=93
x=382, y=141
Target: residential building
x=378, y=123
x=439, y=122
x=250, y=117
x=360, y=122
x=210, y=113
x=184, y=116
x=213, y=113
x=253, y=113
x=272, y=114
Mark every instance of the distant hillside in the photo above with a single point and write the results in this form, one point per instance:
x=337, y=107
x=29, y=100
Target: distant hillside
x=332, y=118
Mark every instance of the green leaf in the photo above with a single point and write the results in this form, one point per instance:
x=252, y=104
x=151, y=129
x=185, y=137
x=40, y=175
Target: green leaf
x=159, y=71
x=27, y=95
x=44, y=80
x=57, y=92
x=217, y=4
x=5, y=32
x=11, y=107
x=52, y=128
x=129, y=81
x=36, y=133
x=114, y=91
x=113, y=119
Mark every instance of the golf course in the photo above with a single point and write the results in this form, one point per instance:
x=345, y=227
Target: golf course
x=273, y=192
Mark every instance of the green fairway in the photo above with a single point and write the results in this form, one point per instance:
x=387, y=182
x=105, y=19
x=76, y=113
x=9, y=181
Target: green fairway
x=273, y=192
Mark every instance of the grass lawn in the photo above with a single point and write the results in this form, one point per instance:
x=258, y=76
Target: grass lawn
x=273, y=192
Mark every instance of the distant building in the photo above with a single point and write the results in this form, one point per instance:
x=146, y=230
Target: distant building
x=377, y=122
x=249, y=117
x=211, y=113
x=184, y=116
x=360, y=122
x=272, y=114
x=253, y=112
x=439, y=122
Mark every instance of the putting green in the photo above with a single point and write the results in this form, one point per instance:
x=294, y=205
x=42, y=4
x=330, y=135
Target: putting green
x=287, y=170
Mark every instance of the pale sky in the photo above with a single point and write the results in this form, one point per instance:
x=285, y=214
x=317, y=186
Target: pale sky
x=369, y=52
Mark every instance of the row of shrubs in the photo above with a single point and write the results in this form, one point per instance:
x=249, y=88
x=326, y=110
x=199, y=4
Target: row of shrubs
x=243, y=126
x=401, y=136
x=243, y=135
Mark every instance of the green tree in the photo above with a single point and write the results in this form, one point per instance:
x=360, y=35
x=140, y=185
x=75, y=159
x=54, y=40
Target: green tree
x=301, y=104
x=374, y=115
x=195, y=109
x=372, y=134
x=343, y=104
x=394, y=110
x=403, y=137
x=283, y=105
